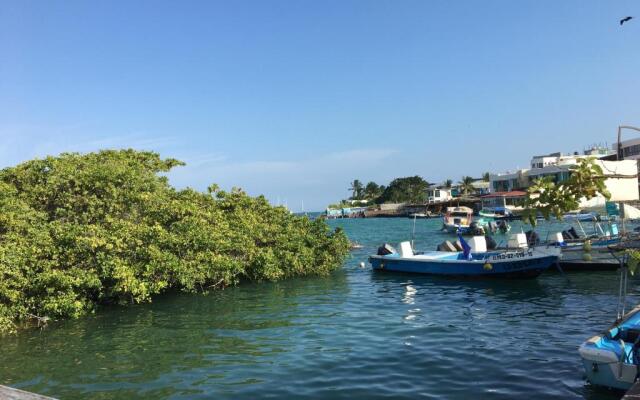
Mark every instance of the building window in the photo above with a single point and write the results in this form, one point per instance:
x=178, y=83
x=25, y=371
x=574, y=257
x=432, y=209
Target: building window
x=631, y=150
x=501, y=186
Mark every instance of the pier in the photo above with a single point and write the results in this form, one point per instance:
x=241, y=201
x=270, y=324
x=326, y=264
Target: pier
x=8, y=393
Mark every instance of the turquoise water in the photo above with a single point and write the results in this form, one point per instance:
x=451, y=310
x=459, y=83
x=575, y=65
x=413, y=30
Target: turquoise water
x=353, y=335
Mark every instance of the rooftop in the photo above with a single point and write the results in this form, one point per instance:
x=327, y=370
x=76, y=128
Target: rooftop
x=513, y=193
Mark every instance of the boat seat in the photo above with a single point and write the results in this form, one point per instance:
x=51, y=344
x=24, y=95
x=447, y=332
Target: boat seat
x=406, y=250
x=458, y=245
x=447, y=246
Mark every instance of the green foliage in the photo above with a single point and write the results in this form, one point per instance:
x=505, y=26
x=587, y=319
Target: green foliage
x=554, y=199
x=357, y=190
x=372, y=190
x=448, y=183
x=466, y=184
x=405, y=190
x=77, y=231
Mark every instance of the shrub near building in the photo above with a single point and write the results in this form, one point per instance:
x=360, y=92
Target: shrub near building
x=77, y=231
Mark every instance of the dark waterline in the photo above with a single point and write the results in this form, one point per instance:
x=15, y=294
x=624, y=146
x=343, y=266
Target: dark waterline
x=355, y=334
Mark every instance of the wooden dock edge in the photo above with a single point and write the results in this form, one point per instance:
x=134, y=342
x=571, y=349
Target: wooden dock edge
x=8, y=393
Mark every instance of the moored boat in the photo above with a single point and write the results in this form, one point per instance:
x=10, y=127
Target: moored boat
x=457, y=218
x=590, y=252
x=580, y=216
x=611, y=359
x=471, y=262
x=496, y=213
x=422, y=215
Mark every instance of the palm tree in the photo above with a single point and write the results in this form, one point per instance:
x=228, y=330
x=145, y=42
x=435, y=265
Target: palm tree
x=448, y=183
x=485, y=177
x=356, y=188
x=371, y=191
x=466, y=184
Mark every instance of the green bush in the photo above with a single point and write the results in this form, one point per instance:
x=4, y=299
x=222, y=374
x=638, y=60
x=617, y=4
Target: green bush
x=78, y=231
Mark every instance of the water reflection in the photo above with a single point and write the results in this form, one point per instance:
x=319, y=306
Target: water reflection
x=355, y=334
x=176, y=345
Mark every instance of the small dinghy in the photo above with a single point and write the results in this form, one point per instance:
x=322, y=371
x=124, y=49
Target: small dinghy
x=472, y=260
x=456, y=219
x=612, y=358
x=588, y=252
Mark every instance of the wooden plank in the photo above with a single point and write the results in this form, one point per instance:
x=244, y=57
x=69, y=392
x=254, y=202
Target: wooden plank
x=7, y=393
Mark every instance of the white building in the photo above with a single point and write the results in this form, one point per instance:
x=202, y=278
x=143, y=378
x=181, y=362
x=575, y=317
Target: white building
x=630, y=149
x=621, y=182
x=437, y=195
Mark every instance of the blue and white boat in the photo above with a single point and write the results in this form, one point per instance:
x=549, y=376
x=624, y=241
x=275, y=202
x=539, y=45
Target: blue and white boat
x=612, y=358
x=477, y=262
x=580, y=216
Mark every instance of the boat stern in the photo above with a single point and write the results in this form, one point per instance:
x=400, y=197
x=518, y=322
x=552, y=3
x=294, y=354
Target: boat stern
x=603, y=364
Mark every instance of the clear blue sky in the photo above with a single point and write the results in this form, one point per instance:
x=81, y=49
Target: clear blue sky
x=294, y=99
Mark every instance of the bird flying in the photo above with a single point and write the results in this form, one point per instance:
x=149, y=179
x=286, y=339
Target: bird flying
x=625, y=19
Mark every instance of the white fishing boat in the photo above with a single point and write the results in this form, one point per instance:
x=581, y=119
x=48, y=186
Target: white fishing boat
x=580, y=216
x=457, y=219
x=612, y=358
x=496, y=213
x=473, y=261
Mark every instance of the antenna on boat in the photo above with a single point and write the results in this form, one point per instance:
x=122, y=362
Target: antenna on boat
x=413, y=234
x=622, y=293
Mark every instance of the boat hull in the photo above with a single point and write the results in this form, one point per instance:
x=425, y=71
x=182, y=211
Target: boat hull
x=517, y=264
x=608, y=358
x=602, y=368
x=598, y=258
x=453, y=228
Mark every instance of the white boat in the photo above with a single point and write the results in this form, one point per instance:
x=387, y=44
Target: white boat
x=611, y=359
x=580, y=216
x=496, y=213
x=421, y=215
x=473, y=261
x=457, y=218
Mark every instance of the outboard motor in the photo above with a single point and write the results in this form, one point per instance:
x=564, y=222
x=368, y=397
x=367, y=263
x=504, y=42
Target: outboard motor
x=386, y=249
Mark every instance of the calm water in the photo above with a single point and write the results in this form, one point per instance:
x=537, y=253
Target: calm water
x=354, y=335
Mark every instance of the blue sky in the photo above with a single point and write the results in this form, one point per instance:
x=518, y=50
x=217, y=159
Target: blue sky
x=294, y=99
